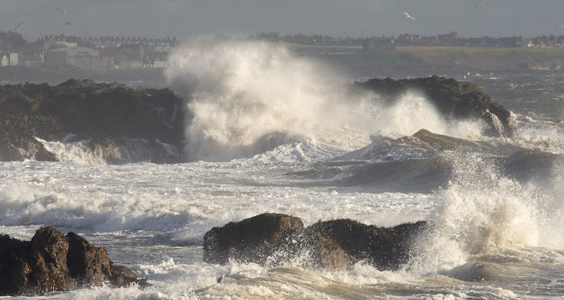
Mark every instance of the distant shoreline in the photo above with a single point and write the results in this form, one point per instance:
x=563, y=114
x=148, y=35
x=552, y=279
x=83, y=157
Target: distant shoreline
x=404, y=61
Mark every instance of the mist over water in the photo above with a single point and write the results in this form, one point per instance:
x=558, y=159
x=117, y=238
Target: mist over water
x=238, y=91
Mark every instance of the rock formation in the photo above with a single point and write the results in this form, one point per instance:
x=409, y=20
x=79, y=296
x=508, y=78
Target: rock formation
x=104, y=115
x=453, y=99
x=121, y=124
x=52, y=261
x=254, y=239
x=275, y=238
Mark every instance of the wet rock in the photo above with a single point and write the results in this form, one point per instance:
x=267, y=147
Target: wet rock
x=384, y=248
x=311, y=249
x=453, y=99
x=335, y=244
x=17, y=147
x=114, y=112
x=250, y=240
x=52, y=261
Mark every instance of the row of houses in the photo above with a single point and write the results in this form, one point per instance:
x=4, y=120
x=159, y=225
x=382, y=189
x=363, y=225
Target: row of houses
x=451, y=39
x=151, y=44
x=99, y=53
x=107, y=58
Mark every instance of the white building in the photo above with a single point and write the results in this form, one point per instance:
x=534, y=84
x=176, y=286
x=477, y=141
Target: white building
x=4, y=60
x=84, y=58
x=14, y=59
x=9, y=59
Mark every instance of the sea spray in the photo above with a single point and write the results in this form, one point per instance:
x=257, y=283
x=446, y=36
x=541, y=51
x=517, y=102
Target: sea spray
x=483, y=211
x=552, y=235
x=238, y=91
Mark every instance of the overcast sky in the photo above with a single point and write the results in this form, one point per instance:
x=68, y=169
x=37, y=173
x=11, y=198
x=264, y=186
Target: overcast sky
x=356, y=18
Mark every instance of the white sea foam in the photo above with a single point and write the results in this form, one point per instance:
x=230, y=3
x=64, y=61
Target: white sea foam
x=537, y=133
x=486, y=212
x=128, y=151
x=238, y=91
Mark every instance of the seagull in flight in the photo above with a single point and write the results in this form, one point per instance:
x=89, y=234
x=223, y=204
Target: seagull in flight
x=68, y=23
x=62, y=10
x=407, y=15
x=17, y=28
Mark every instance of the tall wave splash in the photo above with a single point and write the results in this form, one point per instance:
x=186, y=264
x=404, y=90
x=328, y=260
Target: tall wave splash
x=240, y=91
x=485, y=212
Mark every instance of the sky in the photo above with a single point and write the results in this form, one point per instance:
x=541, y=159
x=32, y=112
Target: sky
x=354, y=18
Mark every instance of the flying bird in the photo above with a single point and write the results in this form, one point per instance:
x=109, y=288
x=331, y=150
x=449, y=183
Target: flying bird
x=17, y=28
x=479, y=6
x=407, y=15
x=62, y=10
x=68, y=23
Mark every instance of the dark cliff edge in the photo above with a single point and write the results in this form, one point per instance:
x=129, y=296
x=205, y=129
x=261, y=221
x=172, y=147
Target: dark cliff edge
x=451, y=98
x=52, y=262
x=122, y=125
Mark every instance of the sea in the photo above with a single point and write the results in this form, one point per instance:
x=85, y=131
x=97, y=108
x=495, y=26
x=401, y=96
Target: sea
x=276, y=132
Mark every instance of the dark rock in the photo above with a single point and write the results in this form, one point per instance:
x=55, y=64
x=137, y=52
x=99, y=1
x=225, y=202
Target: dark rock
x=54, y=262
x=113, y=112
x=49, y=249
x=312, y=249
x=87, y=264
x=17, y=147
x=453, y=99
x=274, y=238
x=385, y=248
x=250, y=240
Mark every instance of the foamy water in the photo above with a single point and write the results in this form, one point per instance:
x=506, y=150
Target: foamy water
x=239, y=91
x=276, y=133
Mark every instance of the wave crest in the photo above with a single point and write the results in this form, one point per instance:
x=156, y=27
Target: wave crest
x=238, y=91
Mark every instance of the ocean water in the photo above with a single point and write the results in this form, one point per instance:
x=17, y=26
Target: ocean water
x=277, y=133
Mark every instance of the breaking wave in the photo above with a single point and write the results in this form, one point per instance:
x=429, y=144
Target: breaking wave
x=118, y=151
x=239, y=91
x=486, y=212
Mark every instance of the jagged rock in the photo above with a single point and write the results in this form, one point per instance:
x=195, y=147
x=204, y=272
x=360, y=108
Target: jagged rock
x=385, y=248
x=118, y=113
x=312, y=249
x=17, y=147
x=274, y=238
x=52, y=261
x=250, y=240
x=84, y=108
x=453, y=99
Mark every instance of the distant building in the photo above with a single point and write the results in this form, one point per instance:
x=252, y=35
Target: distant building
x=66, y=44
x=32, y=60
x=14, y=59
x=4, y=60
x=9, y=59
x=83, y=58
x=374, y=45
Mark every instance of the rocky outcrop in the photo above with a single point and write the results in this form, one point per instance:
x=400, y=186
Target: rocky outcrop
x=453, y=99
x=250, y=240
x=120, y=124
x=384, y=248
x=276, y=238
x=52, y=261
x=20, y=146
x=109, y=114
